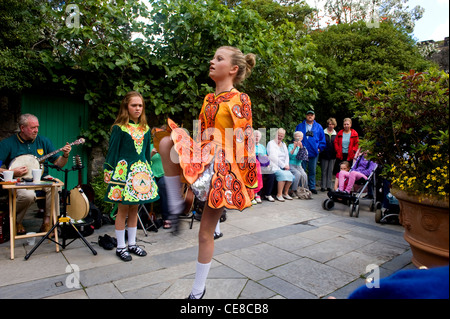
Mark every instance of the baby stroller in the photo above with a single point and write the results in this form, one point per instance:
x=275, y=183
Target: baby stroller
x=353, y=199
x=387, y=211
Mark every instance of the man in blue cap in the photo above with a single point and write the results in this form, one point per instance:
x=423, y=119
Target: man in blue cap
x=314, y=141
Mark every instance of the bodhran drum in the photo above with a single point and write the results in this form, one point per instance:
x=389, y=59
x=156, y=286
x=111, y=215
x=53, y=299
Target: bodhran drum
x=30, y=161
x=78, y=206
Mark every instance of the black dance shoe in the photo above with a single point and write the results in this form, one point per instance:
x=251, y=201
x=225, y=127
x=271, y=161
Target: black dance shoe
x=135, y=249
x=123, y=254
x=191, y=296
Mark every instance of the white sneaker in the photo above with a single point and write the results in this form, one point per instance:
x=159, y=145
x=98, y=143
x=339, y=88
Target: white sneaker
x=270, y=198
x=280, y=198
x=287, y=197
x=258, y=199
x=254, y=202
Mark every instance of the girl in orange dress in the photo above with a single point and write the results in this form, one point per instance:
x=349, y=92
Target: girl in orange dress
x=220, y=163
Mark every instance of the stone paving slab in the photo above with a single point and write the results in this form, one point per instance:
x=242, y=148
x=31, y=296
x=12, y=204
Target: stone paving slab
x=244, y=267
x=312, y=276
x=327, y=250
x=35, y=289
x=265, y=256
x=285, y=289
x=254, y=290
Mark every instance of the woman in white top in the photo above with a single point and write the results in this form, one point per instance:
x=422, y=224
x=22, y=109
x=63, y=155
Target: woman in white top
x=279, y=156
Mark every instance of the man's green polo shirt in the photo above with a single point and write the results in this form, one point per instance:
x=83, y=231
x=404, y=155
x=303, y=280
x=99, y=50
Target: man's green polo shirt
x=14, y=146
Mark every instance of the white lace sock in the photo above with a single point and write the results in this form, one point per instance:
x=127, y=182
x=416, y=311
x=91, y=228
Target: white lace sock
x=132, y=236
x=201, y=274
x=173, y=189
x=120, y=235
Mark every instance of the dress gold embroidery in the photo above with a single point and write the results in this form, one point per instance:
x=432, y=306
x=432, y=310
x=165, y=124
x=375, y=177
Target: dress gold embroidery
x=137, y=134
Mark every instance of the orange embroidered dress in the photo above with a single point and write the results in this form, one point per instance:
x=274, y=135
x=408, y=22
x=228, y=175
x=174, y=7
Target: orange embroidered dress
x=223, y=151
x=126, y=168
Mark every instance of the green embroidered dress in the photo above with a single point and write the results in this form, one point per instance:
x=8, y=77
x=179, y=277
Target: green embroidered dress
x=127, y=169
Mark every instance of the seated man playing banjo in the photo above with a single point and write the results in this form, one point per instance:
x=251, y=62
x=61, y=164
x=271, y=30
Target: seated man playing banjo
x=28, y=146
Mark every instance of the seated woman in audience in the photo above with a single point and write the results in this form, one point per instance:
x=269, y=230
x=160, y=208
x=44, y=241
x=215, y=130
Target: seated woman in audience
x=279, y=156
x=265, y=170
x=257, y=199
x=295, y=163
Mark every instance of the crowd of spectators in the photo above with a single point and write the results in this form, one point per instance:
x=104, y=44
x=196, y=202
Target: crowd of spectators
x=292, y=167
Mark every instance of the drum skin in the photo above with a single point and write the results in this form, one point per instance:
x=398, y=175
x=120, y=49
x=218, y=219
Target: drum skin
x=78, y=207
x=30, y=161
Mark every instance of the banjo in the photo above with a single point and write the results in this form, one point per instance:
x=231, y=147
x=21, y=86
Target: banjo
x=32, y=162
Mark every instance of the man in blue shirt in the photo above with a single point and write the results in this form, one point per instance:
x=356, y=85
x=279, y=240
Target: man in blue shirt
x=314, y=141
x=27, y=141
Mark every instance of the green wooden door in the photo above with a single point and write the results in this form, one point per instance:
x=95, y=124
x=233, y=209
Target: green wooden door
x=61, y=120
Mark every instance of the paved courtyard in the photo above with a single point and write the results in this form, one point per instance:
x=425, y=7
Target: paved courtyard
x=290, y=250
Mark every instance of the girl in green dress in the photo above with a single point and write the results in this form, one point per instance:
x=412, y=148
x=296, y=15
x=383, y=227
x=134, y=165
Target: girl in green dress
x=127, y=171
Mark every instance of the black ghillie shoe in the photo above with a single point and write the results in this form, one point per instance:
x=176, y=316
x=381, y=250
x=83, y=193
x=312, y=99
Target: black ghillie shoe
x=107, y=242
x=191, y=296
x=113, y=240
x=123, y=254
x=135, y=249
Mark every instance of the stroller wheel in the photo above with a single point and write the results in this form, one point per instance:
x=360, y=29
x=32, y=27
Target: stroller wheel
x=378, y=215
x=330, y=204
x=378, y=205
x=356, y=210
x=351, y=209
x=327, y=204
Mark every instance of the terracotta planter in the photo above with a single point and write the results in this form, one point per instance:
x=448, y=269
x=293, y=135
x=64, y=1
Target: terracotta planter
x=426, y=228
